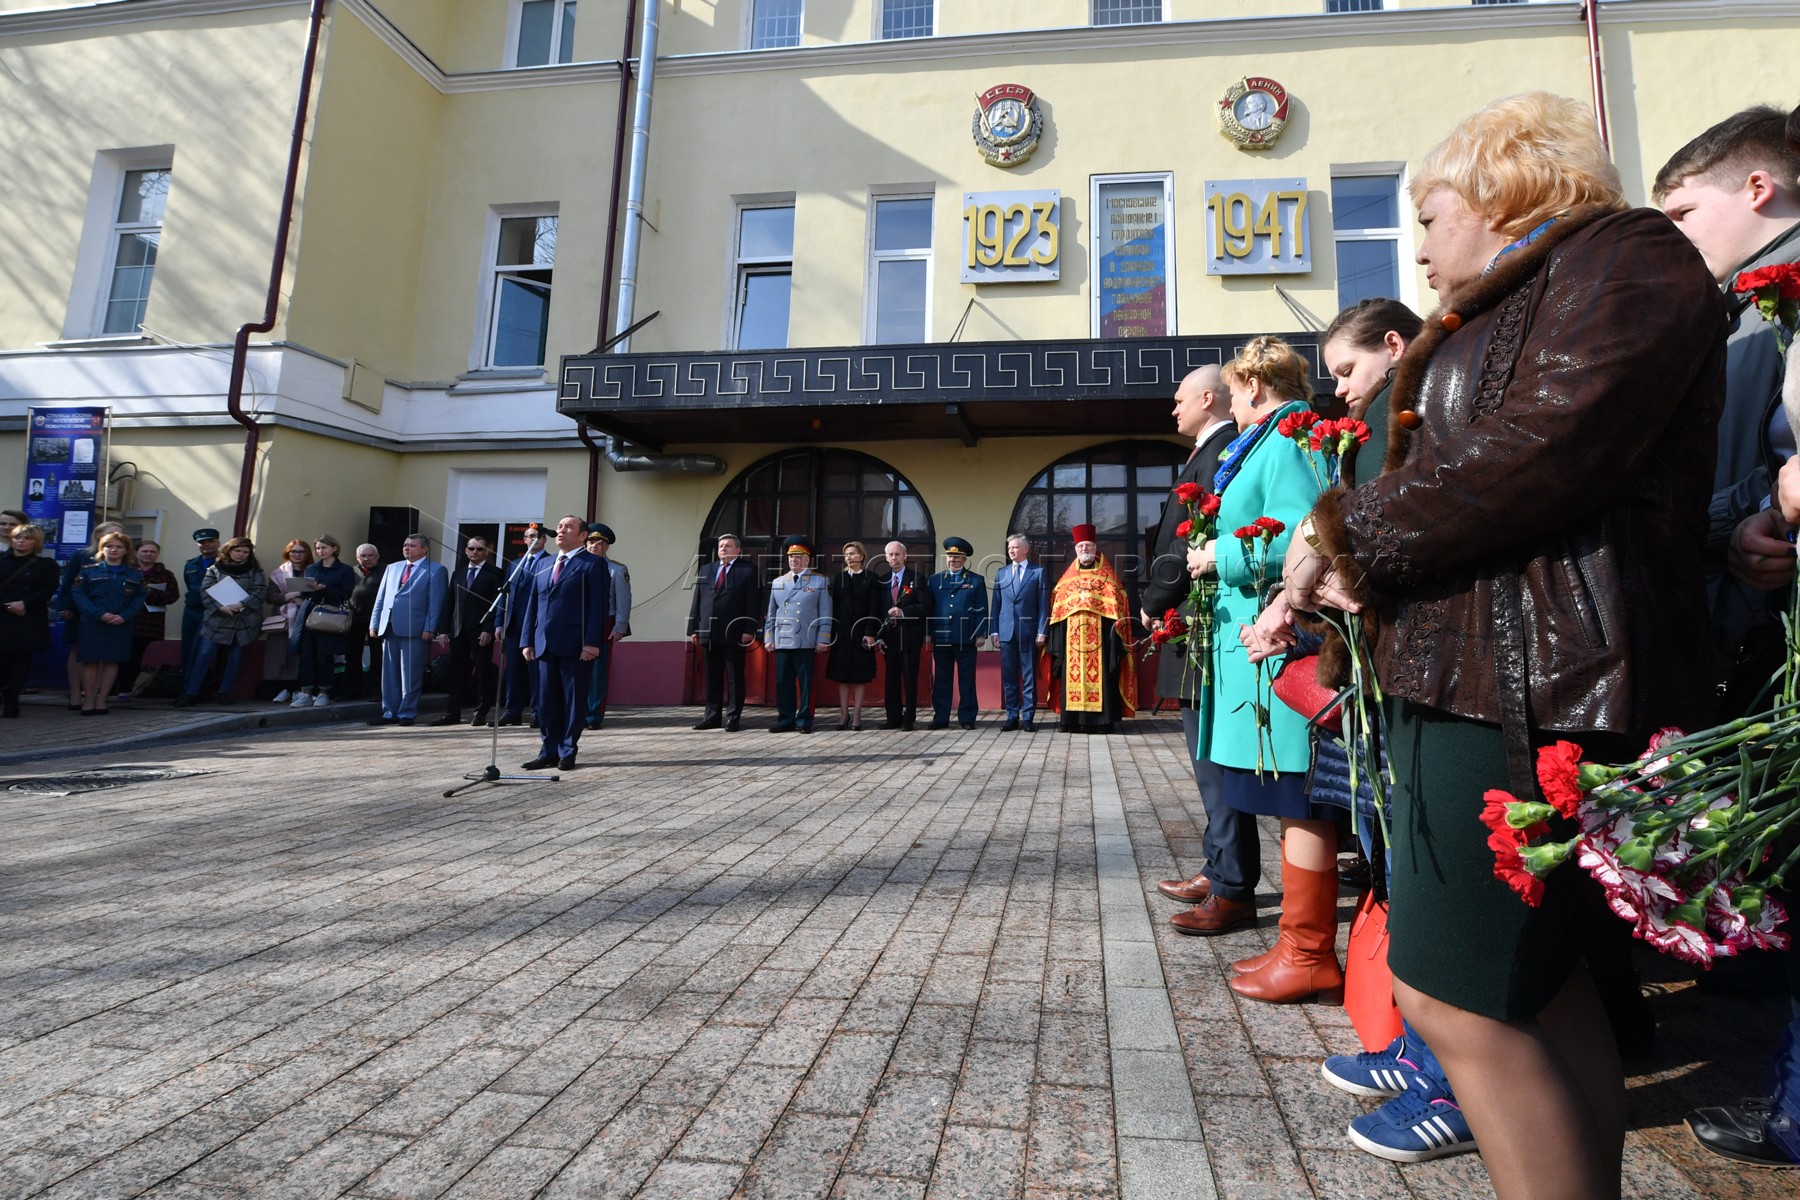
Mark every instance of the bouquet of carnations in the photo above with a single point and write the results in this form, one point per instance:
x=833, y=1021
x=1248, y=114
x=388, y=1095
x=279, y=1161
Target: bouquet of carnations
x=1684, y=840
x=1195, y=635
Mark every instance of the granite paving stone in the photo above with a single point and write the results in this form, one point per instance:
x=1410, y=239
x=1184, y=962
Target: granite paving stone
x=925, y=966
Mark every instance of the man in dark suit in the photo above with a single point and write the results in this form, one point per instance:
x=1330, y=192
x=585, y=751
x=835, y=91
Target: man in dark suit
x=560, y=633
x=723, y=621
x=519, y=681
x=1021, y=616
x=467, y=627
x=904, y=606
x=1223, y=892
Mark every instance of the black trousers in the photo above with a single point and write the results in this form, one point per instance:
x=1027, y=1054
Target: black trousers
x=725, y=681
x=903, y=683
x=471, y=673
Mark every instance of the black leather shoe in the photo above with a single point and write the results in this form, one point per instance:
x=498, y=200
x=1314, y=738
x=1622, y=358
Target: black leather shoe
x=596, y=722
x=938, y=725
x=539, y=763
x=968, y=724
x=733, y=725
x=1012, y=723
x=511, y=719
x=532, y=720
x=1738, y=1132
x=480, y=717
x=781, y=729
x=404, y=722
x=1029, y=727
x=907, y=727
x=709, y=723
x=892, y=724
x=453, y=717
x=804, y=729
x=383, y=721
x=566, y=763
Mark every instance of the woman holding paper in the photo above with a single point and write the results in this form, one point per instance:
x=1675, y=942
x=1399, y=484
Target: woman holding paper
x=232, y=603
x=108, y=594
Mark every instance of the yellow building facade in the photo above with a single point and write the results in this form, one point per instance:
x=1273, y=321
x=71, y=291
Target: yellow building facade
x=819, y=360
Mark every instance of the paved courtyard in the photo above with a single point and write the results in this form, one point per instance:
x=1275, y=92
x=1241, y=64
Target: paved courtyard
x=701, y=965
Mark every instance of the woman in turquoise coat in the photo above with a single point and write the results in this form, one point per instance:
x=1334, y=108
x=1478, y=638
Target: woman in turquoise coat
x=108, y=594
x=1263, y=474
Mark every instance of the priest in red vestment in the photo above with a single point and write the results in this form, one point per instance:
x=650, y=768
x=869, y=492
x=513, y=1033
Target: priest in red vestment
x=1094, y=680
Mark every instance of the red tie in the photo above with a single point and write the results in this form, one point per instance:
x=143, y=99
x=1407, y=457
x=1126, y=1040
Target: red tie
x=896, y=587
x=406, y=574
x=556, y=571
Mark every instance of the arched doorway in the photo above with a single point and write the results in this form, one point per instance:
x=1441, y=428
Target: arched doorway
x=830, y=495
x=1119, y=488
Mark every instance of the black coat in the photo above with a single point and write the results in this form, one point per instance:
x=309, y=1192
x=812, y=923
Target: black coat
x=908, y=632
x=465, y=605
x=34, y=581
x=856, y=615
x=722, y=615
x=1167, y=583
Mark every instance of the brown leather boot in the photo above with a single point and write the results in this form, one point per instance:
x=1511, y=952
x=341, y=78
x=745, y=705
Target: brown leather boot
x=1255, y=962
x=1304, y=962
x=1188, y=891
x=1215, y=914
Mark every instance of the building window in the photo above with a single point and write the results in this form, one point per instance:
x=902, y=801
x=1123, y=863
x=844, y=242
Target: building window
x=546, y=33
x=1478, y=2
x=1365, y=219
x=765, y=278
x=136, y=231
x=1120, y=488
x=1350, y=6
x=1127, y=12
x=831, y=496
x=899, y=269
x=519, y=299
x=774, y=24
x=907, y=18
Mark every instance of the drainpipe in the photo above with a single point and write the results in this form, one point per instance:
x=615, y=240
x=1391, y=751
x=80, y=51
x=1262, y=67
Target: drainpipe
x=594, y=448
x=1590, y=12
x=640, y=156
x=240, y=346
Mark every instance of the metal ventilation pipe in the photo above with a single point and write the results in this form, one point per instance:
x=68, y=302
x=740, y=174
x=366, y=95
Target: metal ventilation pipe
x=634, y=188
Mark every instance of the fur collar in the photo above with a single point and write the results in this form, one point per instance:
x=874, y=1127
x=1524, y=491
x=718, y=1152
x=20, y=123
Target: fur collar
x=1513, y=270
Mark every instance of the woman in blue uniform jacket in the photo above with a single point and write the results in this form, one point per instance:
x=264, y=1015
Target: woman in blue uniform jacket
x=108, y=595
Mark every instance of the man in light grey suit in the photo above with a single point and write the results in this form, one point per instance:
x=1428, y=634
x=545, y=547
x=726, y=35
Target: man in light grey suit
x=796, y=626
x=405, y=616
x=1021, y=616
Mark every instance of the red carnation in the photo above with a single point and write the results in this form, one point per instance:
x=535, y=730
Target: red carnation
x=1509, y=869
x=1557, y=770
x=1783, y=277
x=1184, y=529
x=1356, y=428
x=1187, y=493
x=1248, y=533
x=1270, y=526
x=1209, y=505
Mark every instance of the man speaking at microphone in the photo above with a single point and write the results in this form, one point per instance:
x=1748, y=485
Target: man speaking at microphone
x=560, y=633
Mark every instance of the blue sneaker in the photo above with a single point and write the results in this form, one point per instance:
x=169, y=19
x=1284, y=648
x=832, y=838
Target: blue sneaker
x=1420, y=1124
x=1382, y=1073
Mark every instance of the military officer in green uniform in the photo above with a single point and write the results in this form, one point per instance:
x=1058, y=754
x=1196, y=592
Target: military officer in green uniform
x=958, y=623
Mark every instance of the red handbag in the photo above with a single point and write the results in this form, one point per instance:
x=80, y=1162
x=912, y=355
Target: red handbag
x=1368, y=984
x=1297, y=686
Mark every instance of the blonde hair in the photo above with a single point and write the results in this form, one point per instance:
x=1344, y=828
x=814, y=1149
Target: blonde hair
x=32, y=531
x=107, y=539
x=859, y=548
x=1522, y=160
x=1273, y=363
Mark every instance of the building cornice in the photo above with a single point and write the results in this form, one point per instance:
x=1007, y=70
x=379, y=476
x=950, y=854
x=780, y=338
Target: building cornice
x=1450, y=19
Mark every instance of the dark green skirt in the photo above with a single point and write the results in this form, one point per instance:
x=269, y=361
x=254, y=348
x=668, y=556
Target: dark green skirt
x=1456, y=932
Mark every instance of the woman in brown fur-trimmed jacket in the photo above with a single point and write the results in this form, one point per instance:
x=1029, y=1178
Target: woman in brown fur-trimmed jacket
x=1529, y=558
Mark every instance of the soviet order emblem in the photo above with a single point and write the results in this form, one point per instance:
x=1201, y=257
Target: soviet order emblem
x=1253, y=112
x=1007, y=124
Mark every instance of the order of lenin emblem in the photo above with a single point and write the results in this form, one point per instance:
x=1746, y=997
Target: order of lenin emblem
x=1253, y=112
x=1007, y=124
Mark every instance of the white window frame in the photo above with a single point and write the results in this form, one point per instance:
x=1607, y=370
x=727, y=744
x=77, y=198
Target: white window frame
x=873, y=258
x=1401, y=235
x=750, y=28
x=880, y=11
x=91, y=282
x=1164, y=6
x=1172, y=323
x=740, y=266
x=481, y=345
x=515, y=12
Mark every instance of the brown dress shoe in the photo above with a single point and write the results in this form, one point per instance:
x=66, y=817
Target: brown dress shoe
x=1188, y=891
x=1215, y=914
